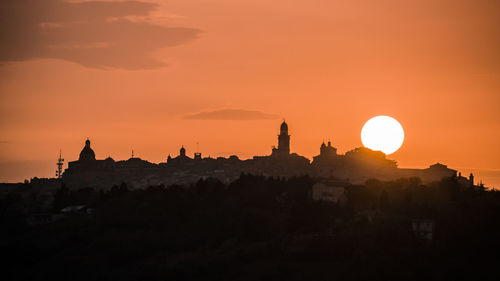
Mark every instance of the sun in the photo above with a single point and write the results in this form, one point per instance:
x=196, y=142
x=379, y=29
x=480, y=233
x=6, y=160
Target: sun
x=382, y=133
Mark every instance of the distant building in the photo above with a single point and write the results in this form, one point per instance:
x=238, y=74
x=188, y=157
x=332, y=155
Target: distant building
x=355, y=166
x=435, y=172
x=327, y=163
x=331, y=191
x=87, y=161
x=423, y=229
x=87, y=154
x=283, y=142
x=181, y=158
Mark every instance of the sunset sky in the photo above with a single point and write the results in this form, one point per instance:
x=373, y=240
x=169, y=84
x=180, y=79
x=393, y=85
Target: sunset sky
x=154, y=75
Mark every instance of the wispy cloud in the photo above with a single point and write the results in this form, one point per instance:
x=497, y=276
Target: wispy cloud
x=94, y=34
x=231, y=114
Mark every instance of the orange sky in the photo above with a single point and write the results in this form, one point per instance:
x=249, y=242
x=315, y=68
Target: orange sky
x=129, y=74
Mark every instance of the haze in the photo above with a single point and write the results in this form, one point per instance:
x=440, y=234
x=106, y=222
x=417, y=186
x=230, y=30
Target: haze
x=152, y=76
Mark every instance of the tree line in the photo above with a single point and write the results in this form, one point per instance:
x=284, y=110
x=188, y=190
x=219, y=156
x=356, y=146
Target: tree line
x=255, y=228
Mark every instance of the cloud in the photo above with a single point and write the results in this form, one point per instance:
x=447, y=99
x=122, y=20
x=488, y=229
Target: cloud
x=231, y=114
x=94, y=34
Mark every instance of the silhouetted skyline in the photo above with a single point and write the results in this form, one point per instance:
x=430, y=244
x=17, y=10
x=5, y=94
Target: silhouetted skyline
x=246, y=140
x=152, y=75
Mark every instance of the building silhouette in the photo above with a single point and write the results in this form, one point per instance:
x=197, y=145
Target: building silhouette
x=87, y=154
x=355, y=166
x=283, y=142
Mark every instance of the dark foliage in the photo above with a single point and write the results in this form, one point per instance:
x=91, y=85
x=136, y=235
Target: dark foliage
x=255, y=228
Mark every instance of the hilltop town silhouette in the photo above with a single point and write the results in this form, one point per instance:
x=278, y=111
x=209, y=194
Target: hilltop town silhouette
x=354, y=167
x=274, y=217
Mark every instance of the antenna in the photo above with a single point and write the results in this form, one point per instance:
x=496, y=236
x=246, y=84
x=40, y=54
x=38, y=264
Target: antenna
x=60, y=163
x=132, y=153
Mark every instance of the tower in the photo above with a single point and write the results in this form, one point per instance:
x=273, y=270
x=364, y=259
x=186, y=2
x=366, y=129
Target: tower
x=322, y=149
x=60, y=163
x=284, y=140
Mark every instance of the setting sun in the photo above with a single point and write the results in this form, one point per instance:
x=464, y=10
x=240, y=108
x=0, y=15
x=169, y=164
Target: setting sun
x=382, y=133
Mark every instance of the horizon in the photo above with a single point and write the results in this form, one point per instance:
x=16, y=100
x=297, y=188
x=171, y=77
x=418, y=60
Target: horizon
x=154, y=75
x=489, y=177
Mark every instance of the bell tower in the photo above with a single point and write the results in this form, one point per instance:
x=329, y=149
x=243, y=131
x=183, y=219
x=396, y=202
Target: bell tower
x=284, y=140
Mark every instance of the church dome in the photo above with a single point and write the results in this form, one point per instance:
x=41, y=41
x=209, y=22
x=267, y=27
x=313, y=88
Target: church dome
x=87, y=152
x=284, y=127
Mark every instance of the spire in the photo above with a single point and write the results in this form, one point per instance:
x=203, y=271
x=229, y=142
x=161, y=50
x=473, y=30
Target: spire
x=284, y=128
